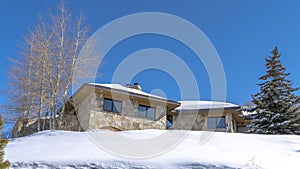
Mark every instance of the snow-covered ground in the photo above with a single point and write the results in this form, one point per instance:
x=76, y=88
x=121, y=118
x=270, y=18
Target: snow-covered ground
x=65, y=149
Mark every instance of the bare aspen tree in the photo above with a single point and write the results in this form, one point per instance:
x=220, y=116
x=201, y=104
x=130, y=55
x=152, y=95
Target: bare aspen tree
x=41, y=79
x=60, y=21
x=29, y=72
x=78, y=38
x=71, y=39
x=21, y=88
x=43, y=53
x=17, y=88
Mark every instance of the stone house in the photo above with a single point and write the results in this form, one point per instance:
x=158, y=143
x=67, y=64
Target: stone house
x=208, y=115
x=117, y=107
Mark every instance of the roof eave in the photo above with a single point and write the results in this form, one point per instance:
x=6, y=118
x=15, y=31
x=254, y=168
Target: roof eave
x=237, y=108
x=172, y=102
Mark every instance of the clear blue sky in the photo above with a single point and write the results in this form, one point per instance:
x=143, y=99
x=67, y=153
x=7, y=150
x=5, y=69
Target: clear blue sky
x=243, y=33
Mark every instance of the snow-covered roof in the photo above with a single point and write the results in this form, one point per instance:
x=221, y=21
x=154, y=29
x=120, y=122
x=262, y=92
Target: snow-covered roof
x=200, y=104
x=126, y=89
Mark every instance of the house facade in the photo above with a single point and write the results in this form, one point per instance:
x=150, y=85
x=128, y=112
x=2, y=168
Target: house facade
x=208, y=116
x=117, y=107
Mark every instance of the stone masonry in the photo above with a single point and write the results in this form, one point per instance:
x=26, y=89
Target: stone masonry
x=92, y=116
x=89, y=115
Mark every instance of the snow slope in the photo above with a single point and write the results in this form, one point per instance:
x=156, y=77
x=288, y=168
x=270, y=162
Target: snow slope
x=65, y=149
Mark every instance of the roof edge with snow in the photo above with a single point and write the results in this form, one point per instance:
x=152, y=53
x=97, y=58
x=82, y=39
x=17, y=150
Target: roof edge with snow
x=205, y=105
x=126, y=90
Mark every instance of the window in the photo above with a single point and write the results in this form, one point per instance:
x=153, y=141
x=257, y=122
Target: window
x=146, y=112
x=169, y=121
x=170, y=118
x=112, y=105
x=216, y=122
x=142, y=111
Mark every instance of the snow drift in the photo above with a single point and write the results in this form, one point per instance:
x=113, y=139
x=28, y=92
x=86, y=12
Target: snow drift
x=65, y=149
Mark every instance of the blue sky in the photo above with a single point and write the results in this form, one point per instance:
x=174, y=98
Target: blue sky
x=242, y=32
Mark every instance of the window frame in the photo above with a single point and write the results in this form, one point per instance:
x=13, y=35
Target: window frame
x=217, y=122
x=113, y=108
x=147, y=112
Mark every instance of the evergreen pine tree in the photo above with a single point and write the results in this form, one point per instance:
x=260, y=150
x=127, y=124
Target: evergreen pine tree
x=3, y=143
x=276, y=105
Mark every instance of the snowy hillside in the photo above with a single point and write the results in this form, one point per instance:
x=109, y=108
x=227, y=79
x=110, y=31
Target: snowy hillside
x=64, y=149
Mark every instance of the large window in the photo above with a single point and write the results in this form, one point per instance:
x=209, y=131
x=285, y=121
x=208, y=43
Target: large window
x=112, y=105
x=146, y=112
x=216, y=122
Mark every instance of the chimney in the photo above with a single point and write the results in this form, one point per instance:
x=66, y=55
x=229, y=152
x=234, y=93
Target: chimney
x=136, y=86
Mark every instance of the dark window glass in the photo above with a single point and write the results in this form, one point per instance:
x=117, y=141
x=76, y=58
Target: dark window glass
x=151, y=113
x=117, y=106
x=221, y=122
x=107, y=105
x=211, y=123
x=170, y=118
x=146, y=112
x=169, y=121
x=112, y=105
x=142, y=111
x=216, y=122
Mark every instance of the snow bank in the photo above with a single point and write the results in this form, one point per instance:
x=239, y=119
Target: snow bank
x=67, y=149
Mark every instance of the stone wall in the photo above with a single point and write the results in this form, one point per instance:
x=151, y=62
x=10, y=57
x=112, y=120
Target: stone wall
x=24, y=127
x=189, y=121
x=70, y=122
x=100, y=120
x=92, y=116
x=83, y=110
x=200, y=122
x=27, y=126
